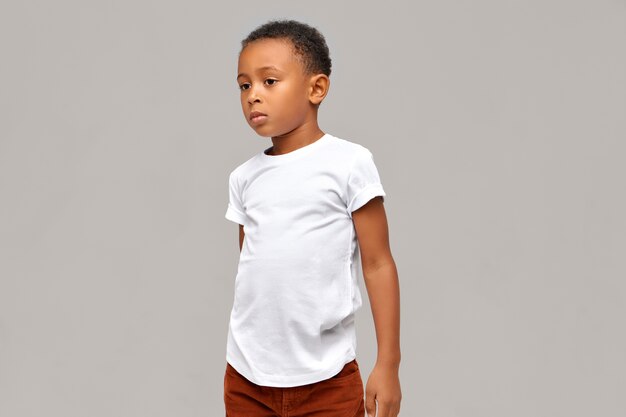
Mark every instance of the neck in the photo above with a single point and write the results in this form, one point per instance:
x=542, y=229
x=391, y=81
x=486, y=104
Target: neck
x=295, y=139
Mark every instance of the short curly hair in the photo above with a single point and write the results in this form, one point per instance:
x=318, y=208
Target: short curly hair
x=308, y=43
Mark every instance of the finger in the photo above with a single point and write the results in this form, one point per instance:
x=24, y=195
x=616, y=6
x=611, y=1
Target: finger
x=370, y=405
x=388, y=409
x=383, y=409
x=394, y=410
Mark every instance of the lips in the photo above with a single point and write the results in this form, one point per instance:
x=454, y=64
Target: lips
x=256, y=114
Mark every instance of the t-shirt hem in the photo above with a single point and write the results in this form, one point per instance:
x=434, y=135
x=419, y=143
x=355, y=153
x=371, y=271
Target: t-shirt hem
x=290, y=381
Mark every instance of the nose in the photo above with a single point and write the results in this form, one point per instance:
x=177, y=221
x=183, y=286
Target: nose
x=253, y=95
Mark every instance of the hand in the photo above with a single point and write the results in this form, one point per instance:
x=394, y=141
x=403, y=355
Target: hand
x=383, y=385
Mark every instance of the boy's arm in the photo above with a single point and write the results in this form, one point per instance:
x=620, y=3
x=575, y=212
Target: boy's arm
x=381, y=279
x=241, y=236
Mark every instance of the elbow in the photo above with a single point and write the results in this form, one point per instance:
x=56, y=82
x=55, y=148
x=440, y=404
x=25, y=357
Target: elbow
x=373, y=267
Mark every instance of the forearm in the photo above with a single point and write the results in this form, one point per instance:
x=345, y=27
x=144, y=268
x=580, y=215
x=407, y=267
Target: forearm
x=383, y=289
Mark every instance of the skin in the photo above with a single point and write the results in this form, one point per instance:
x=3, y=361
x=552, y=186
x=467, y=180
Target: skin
x=291, y=99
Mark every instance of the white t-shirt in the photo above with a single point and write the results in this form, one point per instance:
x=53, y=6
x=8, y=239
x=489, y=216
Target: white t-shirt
x=296, y=290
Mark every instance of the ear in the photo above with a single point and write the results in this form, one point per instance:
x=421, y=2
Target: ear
x=318, y=88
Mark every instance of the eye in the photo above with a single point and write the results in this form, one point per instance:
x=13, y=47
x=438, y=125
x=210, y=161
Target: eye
x=272, y=80
x=241, y=87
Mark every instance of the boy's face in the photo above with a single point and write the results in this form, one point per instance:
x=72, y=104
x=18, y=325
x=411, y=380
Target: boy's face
x=280, y=92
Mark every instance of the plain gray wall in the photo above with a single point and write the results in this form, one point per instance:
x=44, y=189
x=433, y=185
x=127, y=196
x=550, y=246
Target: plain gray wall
x=498, y=129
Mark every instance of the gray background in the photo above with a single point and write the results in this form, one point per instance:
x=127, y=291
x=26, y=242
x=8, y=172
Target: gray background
x=498, y=129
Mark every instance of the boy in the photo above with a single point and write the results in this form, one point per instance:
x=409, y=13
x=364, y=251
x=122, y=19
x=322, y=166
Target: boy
x=308, y=208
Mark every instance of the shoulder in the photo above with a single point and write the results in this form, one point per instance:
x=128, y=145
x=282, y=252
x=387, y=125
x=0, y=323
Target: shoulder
x=349, y=149
x=243, y=168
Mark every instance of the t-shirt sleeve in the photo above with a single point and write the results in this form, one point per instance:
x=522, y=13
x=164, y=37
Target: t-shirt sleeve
x=363, y=182
x=235, y=211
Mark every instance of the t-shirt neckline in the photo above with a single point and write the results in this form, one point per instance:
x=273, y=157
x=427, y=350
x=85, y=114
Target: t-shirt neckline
x=295, y=153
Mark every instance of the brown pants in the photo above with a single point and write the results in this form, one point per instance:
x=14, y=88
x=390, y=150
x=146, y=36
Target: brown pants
x=339, y=396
